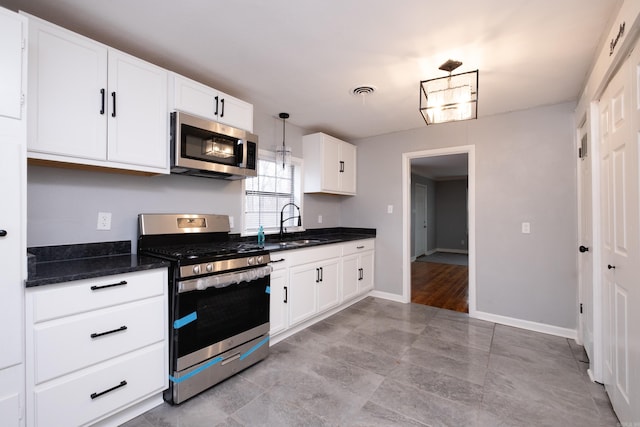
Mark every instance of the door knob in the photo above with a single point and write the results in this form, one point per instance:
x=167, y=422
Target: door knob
x=611, y=267
x=583, y=249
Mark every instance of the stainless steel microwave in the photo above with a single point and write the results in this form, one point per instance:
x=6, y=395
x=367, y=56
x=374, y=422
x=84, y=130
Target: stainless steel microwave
x=201, y=147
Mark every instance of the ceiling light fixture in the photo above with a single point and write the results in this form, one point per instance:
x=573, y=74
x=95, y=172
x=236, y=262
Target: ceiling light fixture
x=451, y=98
x=283, y=153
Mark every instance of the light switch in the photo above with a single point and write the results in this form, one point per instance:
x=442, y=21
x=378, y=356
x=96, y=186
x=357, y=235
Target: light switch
x=231, y=222
x=389, y=209
x=526, y=228
x=319, y=219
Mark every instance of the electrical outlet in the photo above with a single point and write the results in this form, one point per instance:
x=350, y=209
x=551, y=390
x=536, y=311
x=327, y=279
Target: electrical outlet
x=104, y=221
x=319, y=219
x=526, y=228
x=389, y=209
x=231, y=222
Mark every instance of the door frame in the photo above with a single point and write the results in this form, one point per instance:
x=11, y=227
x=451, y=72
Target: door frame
x=406, y=216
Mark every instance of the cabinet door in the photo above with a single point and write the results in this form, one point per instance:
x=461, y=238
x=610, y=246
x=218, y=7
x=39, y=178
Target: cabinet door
x=235, y=112
x=365, y=278
x=194, y=98
x=349, y=277
x=348, y=174
x=67, y=75
x=11, y=39
x=278, y=303
x=328, y=286
x=302, y=293
x=138, y=114
x=12, y=166
x=331, y=164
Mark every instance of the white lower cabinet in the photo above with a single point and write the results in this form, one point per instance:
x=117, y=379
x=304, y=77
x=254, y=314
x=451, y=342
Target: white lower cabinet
x=308, y=282
x=95, y=347
x=357, y=267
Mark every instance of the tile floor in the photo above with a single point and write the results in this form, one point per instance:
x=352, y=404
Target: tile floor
x=381, y=363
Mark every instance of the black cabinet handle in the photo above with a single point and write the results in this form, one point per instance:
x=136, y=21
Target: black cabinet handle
x=611, y=267
x=359, y=247
x=321, y=274
x=341, y=166
x=122, y=384
x=100, y=334
x=286, y=294
x=317, y=275
x=3, y=233
x=222, y=104
x=583, y=249
x=273, y=261
x=113, y=95
x=216, y=112
x=95, y=287
x=360, y=274
x=102, y=102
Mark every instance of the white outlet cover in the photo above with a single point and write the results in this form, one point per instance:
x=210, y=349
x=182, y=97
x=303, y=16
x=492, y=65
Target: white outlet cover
x=231, y=222
x=526, y=228
x=319, y=219
x=104, y=221
x=389, y=209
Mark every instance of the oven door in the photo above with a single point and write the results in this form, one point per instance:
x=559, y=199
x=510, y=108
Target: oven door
x=211, y=321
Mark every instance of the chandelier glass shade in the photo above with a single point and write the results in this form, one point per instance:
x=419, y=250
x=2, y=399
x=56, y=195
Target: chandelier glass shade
x=283, y=153
x=451, y=98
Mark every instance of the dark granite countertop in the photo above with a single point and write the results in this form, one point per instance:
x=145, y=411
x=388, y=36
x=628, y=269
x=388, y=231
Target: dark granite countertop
x=312, y=237
x=64, y=263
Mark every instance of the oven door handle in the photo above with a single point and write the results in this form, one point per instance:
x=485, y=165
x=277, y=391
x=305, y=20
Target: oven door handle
x=230, y=359
x=224, y=280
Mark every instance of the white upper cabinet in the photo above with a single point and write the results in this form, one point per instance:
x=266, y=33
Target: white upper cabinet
x=94, y=105
x=195, y=98
x=11, y=47
x=329, y=165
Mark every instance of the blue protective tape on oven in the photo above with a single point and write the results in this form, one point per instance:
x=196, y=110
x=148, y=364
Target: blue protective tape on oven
x=254, y=348
x=268, y=290
x=179, y=323
x=196, y=371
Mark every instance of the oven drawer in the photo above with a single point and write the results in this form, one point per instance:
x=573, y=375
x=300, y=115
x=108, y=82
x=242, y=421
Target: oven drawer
x=69, y=403
x=70, y=344
x=80, y=296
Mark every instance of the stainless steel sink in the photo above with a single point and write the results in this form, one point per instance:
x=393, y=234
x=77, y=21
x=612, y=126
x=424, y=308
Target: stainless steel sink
x=300, y=242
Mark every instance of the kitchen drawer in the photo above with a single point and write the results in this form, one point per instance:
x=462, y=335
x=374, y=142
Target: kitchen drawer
x=68, y=402
x=80, y=296
x=66, y=345
x=357, y=246
x=313, y=254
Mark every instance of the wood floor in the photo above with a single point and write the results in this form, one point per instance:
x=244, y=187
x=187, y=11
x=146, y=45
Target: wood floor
x=440, y=285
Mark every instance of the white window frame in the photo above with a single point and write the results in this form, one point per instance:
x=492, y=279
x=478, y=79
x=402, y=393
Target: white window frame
x=298, y=195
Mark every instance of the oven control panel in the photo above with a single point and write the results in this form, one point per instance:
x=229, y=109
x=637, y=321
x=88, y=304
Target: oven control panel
x=222, y=266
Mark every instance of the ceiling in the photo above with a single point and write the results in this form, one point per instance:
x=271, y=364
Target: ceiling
x=304, y=57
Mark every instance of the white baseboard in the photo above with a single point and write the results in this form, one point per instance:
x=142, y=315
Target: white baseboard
x=388, y=296
x=526, y=324
x=431, y=252
x=452, y=251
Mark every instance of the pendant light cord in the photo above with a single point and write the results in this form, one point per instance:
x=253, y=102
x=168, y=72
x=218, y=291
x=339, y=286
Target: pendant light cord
x=283, y=116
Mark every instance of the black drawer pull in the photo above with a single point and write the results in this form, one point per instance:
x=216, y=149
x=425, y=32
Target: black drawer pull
x=273, y=261
x=3, y=233
x=286, y=295
x=359, y=247
x=113, y=95
x=122, y=384
x=100, y=334
x=95, y=288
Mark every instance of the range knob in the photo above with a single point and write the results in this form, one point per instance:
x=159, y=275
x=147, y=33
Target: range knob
x=209, y=268
x=251, y=260
x=196, y=269
x=259, y=259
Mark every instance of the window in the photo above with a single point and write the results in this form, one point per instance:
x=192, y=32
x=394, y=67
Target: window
x=266, y=194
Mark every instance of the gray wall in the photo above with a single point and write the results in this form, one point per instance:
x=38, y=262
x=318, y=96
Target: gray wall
x=63, y=204
x=525, y=171
x=451, y=215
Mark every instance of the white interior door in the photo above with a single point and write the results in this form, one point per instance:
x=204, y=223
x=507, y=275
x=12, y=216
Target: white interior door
x=420, y=225
x=620, y=129
x=585, y=257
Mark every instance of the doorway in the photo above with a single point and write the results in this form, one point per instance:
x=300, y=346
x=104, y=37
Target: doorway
x=409, y=232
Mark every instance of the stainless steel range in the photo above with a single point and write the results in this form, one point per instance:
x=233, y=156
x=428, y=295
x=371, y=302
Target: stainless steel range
x=219, y=299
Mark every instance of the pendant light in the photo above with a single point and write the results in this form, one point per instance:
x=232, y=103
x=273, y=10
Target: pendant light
x=283, y=154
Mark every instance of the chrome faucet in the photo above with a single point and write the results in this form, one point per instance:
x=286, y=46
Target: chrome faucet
x=291, y=217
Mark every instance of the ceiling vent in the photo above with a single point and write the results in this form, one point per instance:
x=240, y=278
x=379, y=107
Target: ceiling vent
x=363, y=90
